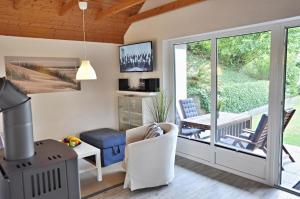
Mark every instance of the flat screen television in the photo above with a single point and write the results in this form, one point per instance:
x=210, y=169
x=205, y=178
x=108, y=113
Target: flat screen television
x=136, y=57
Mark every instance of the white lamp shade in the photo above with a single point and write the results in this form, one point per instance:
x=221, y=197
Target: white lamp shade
x=86, y=71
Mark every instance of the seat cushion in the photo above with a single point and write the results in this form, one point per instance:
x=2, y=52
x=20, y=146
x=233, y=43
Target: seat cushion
x=104, y=138
x=189, y=131
x=188, y=107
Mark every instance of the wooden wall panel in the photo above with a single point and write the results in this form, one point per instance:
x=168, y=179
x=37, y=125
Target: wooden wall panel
x=42, y=19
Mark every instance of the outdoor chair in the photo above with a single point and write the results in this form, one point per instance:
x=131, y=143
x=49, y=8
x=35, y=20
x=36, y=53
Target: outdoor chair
x=288, y=114
x=187, y=131
x=256, y=139
x=250, y=139
x=189, y=109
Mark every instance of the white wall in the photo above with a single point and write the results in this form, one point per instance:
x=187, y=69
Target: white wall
x=58, y=114
x=210, y=15
x=154, y=3
x=180, y=52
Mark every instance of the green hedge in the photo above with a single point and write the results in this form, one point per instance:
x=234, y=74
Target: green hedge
x=234, y=97
x=240, y=97
x=292, y=78
x=203, y=95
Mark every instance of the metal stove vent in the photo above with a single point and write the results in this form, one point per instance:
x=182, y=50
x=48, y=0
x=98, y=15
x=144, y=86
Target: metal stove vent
x=46, y=183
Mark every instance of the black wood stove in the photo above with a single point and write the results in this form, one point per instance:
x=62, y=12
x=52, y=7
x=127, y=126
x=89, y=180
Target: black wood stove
x=45, y=169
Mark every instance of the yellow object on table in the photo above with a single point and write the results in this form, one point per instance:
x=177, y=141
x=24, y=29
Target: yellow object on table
x=72, y=141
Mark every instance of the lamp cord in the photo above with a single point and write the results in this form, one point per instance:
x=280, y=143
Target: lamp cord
x=83, y=29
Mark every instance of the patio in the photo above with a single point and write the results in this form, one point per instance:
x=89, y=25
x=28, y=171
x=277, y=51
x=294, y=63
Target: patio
x=291, y=172
x=232, y=124
x=233, y=131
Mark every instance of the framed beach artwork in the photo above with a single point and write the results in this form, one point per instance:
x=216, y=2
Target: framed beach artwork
x=42, y=74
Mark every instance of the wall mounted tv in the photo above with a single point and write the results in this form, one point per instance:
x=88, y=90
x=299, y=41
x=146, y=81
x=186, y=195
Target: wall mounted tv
x=136, y=57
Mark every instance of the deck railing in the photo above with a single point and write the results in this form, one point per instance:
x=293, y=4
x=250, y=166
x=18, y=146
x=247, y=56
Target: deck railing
x=234, y=127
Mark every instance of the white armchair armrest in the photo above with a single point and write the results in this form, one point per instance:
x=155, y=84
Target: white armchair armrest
x=135, y=134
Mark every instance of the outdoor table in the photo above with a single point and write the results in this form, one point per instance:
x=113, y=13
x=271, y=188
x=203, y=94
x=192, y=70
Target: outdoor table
x=227, y=123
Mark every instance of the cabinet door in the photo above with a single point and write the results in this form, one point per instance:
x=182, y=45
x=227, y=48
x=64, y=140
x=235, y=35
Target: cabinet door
x=136, y=112
x=147, y=106
x=135, y=104
x=124, y=116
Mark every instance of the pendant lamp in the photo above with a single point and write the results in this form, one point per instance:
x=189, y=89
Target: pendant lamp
x=85, y=71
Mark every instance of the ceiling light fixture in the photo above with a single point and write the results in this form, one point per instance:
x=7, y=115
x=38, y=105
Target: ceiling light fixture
x=85, y=71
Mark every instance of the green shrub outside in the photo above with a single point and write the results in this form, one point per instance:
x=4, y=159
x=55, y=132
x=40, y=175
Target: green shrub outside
x=203, y=94
x=234, y=97
x=258, y=68
x=241, y=97
x=229, y=76
x=292, y=77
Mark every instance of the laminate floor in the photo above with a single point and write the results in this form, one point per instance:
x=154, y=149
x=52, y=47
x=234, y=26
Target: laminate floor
x=194, y=180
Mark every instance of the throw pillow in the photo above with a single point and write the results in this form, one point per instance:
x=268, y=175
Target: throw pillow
x=153, y=130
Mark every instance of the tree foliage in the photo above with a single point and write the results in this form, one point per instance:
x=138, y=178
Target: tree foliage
x=238, y=51
x=243, y=70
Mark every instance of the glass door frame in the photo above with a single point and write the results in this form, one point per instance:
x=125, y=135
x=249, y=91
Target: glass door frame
x=276, y=87
x=283, y=32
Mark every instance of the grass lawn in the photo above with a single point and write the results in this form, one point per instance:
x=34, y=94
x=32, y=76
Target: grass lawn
x=292, y=132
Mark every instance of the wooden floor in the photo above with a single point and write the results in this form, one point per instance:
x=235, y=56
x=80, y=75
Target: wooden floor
x=194, y=180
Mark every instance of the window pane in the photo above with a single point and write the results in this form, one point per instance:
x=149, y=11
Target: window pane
x=243, y=91
x=193, y=89
x=291, y=125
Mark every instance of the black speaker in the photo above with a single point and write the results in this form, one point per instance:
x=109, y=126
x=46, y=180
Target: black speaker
x=123, y=84
x=150, y=85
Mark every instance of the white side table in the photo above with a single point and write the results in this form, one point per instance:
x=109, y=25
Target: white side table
x=85, y=150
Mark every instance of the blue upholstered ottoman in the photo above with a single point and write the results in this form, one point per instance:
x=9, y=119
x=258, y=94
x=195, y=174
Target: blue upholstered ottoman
x=111, y=143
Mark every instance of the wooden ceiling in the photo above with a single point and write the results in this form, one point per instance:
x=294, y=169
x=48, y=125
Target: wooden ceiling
x=106, y=20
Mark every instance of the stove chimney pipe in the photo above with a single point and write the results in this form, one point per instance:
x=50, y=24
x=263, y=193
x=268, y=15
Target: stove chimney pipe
x=17, y=122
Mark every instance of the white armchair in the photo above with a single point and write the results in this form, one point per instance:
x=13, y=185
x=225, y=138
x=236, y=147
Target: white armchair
x=150, y=162
x=1, y=141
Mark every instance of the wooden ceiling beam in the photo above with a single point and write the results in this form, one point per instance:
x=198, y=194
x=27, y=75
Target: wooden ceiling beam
x=16, y=3
x=40, y=19
x=124, y=5
x=66, y=6
x=162, y=9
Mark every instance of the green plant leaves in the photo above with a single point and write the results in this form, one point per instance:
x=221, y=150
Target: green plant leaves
x=160, y=107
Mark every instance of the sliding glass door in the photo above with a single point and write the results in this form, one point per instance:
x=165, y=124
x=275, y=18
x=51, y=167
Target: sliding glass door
x=243, y=69
x=193, y=89
x=290, y=177
x=231, y=102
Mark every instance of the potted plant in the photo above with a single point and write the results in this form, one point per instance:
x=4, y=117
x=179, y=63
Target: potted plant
x=160, y=107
